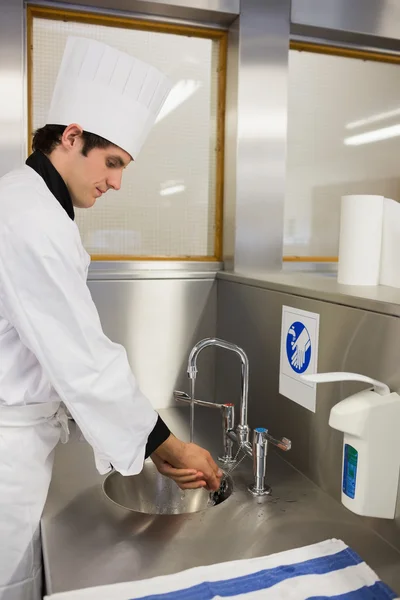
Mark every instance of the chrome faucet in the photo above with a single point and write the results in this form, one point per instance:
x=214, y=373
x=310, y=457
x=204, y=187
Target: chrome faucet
x=242, y=430
x=258, y=449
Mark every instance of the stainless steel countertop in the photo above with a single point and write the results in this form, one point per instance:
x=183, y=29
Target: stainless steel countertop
x=88, y=541
x=322, y=286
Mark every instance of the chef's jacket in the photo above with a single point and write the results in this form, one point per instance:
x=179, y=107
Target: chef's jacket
x=52, y=345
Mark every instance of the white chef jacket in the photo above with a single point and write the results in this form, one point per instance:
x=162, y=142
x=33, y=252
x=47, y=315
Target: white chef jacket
x=51, y=341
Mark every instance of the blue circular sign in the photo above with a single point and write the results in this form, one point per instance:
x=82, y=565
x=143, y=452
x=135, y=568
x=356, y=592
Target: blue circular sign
x=298, y=347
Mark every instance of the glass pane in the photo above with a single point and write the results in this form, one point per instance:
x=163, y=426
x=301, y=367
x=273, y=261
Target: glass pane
x=166, y=205
x=343, y=138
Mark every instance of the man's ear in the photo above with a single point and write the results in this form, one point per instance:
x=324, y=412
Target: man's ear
x=71, y=135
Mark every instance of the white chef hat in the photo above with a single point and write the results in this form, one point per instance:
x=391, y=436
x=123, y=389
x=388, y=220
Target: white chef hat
x=107, y=92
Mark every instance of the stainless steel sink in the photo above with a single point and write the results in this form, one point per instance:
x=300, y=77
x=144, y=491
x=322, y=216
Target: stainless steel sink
x=152, y=493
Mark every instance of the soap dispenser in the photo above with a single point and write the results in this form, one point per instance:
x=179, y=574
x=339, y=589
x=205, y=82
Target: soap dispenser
x=370, y=422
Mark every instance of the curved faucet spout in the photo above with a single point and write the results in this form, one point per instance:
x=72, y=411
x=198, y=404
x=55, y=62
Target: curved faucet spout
x=192, y=372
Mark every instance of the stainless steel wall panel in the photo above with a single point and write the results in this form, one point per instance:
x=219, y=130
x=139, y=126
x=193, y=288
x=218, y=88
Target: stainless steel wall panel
x=12, y=107
x=350, y=339
x=231, y=140
x=158, y=321
x=219, y=12
x=368, y=22
x=370, y=17
x=261, y=150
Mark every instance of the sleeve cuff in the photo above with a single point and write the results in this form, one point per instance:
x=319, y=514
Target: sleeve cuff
x=157, y=437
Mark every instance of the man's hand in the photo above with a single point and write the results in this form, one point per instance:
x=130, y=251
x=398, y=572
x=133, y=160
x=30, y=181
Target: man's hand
x=186, y=479
x=182, y=457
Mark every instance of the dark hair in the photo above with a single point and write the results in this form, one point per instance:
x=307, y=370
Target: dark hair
x=47, y=138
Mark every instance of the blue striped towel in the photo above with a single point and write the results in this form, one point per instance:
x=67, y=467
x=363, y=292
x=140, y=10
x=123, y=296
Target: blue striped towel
x=327, y=570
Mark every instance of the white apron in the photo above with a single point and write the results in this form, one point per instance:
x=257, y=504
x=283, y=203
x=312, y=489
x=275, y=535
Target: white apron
x=28, y=437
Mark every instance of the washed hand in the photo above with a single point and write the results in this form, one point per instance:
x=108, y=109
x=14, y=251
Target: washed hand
x=181, y=458
x=186, y=479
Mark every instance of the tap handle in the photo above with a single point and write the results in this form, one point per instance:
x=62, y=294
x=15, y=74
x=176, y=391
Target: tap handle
x=259, y=435
x=259, y=452
x=283, y=444
x=183, y=397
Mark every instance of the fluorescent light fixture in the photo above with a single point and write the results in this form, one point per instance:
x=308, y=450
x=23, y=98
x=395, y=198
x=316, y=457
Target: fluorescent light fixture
x=376, y=135
x=179, y=94
x=374, y=119
x=173, y=189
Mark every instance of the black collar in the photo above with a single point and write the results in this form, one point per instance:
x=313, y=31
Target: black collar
x=52, y=178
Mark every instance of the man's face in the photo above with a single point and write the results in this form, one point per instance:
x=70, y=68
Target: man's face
x=89, y=177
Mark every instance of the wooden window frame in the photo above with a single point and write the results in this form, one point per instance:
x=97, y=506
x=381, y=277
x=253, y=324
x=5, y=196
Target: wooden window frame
x=143, y=25
x=347, y=53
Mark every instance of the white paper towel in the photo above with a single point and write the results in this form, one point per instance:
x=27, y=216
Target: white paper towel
x=390, y=255
x=360, y=241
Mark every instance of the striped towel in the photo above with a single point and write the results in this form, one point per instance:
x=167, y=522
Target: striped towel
x=327, y=570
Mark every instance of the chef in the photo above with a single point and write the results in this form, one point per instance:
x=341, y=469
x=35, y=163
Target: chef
x=53, y=352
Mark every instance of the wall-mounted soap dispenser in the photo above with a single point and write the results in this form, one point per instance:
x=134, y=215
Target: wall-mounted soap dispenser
x=370, y=421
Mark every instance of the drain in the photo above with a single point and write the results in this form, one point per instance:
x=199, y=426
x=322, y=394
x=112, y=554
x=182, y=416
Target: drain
x=221, y=494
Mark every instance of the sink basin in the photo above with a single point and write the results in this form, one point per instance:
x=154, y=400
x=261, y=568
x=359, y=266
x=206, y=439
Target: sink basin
x=151, y=493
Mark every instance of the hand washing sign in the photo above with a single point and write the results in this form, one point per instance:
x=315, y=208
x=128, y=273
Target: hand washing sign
x=298, y=347
x=299, y=354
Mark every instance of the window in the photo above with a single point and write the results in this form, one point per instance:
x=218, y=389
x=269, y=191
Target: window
x=343, y=138
x=170, y=202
